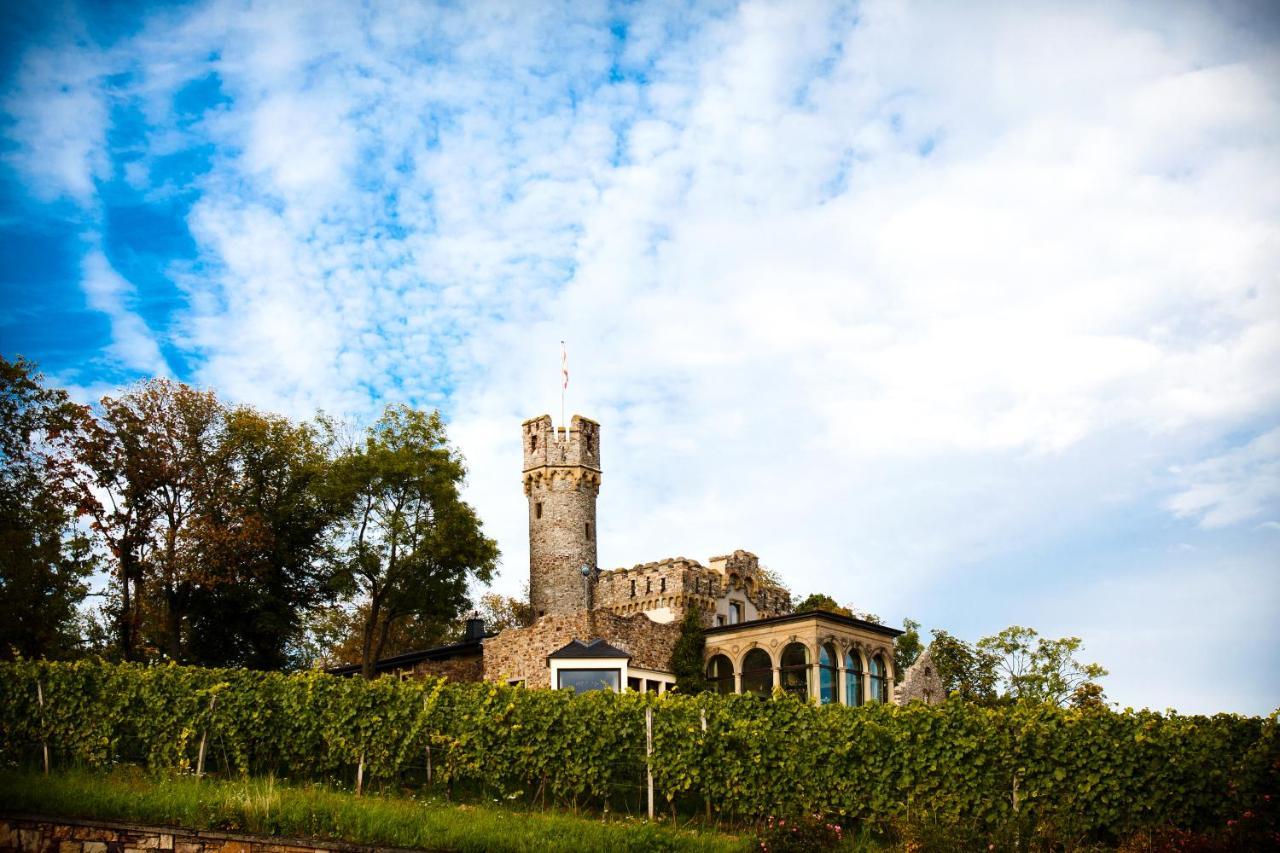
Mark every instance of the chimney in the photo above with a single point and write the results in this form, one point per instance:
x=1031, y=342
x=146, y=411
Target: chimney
x=475, y=628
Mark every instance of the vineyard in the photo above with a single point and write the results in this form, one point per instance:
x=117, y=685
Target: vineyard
x=1059, y=772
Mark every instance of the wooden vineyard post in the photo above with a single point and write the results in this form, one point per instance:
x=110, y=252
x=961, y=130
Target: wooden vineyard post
x=44, y=743
x=360, y=776
x=648, y=753
x=204, y=739
x=702, y=712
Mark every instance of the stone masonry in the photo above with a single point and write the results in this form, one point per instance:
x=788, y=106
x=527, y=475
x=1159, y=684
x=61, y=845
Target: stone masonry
x=677, y=584
x=520, y=654
x=921, y=683
x=66, y=835
x=562, y=481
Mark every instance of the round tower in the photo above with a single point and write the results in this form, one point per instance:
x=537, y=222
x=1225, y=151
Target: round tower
x=561, y=480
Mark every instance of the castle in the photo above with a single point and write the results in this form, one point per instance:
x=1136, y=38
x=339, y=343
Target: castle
x=616, y=629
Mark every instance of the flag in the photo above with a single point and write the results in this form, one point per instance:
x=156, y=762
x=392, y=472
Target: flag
x=564, y=365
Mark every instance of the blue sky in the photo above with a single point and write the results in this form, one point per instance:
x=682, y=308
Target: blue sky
x=962, y=312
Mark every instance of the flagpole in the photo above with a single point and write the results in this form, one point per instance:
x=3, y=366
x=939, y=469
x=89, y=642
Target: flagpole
x=564, y=369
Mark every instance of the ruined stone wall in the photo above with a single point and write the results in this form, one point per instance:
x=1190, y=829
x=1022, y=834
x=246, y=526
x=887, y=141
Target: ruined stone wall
x=521, y=653
x=562, y=482
x=68, y=835
x=921, y=683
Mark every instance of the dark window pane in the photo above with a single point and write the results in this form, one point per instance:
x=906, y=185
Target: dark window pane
x=581, y=680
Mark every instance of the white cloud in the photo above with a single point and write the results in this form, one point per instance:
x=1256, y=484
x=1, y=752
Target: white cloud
x=1239, y=485
x=132, y=342
x=881, y=296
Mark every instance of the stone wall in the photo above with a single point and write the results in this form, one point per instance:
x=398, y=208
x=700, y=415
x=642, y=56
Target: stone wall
x=667, y=588
x=65, y=835
x=521, y=653
x=469, y=668
x=921, y=683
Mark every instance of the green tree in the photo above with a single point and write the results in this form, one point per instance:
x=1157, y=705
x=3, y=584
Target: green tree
x=44, y=560
x=821, y=601
x=1029, y=666
x=906, y=648
x=275, y=498
x=965, y=671
x=686, y=657
x=412, y=543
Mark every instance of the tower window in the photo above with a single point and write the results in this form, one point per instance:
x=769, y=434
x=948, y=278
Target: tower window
x=537, y=510
x=586, y=529
x=633, y=589
x=648, y=585
x=533, y=441
x=591, y=445
x=662, y=585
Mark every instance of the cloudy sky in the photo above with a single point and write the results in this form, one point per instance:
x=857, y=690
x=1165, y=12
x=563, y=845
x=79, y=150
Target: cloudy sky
x=968, y=313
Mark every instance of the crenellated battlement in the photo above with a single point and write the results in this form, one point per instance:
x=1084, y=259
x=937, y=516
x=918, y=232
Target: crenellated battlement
x=548, y=446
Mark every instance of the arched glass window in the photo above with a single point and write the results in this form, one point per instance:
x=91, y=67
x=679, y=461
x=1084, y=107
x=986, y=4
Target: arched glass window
x=757, y=673
x=795, y=671
x=720, y=674
x=828, y=675
x=852, y=678
x=879, y=685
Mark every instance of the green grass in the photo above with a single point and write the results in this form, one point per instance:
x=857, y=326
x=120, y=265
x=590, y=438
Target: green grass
x=270, y=807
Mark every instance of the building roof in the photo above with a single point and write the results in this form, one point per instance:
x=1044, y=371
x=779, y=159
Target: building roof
x=825, y=615
x=453, y=650
x=593, y=649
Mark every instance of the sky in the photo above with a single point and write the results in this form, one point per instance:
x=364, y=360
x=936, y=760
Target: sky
x=967, y=313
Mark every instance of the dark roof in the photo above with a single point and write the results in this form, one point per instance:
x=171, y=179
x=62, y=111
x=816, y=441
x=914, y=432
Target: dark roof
x=796, y=617
x=453, y=650
x=593, y=649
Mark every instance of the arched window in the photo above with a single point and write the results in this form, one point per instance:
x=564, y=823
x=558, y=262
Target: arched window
x=879, y=684
x=795, y=671
x=852, y=678
x=720, y=674
x=757, y=673
x=828, y=675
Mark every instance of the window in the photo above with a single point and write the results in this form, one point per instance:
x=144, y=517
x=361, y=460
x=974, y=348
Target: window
x=591, y=444
x=720, y=674
x=586, y=530
x=633, y=589
x=719, y=621
x=648, y=585
x=533, y=441
x=633, y=684
x=828, y=675
x=757, y=673
x=537, y=510
x=795, y=670
x=582, y=680
x=662, y=585
x=515, y=682
x=879, y=685
x=852, y=678
x=735, y=612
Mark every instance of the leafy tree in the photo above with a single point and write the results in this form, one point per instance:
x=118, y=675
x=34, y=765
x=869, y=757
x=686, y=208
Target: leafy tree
x=501, y=612
x=821, y=601
x=411, y=542
x=275, y=493
x=965, y=671
x=686, y=657
x=906, y=648
x=1029, y=666
x=44, y=559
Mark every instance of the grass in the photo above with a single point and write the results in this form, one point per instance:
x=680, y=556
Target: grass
x=270, y=807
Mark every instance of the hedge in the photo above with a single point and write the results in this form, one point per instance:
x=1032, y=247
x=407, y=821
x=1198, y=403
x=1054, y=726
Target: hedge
x=1063, y=772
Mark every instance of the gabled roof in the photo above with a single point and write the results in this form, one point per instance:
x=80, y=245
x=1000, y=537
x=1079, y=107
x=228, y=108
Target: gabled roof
x=593, y=649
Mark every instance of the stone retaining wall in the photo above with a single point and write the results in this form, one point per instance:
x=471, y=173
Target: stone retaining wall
x=35, y=834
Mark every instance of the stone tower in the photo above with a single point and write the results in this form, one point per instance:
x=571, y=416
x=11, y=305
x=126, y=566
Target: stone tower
x=562, y=480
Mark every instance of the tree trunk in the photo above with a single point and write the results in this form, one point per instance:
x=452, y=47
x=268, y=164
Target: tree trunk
x=367, y=659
